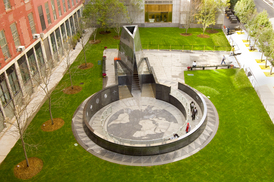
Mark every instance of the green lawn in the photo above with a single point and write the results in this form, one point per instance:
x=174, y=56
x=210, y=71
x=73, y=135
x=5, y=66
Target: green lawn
x=167, y=38
x=242, y=149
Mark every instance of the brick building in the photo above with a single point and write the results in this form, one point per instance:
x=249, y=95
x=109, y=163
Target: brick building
x=32, y=34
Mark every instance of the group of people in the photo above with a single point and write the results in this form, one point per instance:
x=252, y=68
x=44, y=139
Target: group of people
x=194, y=112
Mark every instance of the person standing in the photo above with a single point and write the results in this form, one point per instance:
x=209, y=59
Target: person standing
x=232, y=50
x=227, y=30
x=192, y=105
x=194, y=112
x=223, y=60
x=188, y=128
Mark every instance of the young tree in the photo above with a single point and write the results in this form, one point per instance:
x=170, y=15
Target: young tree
x=134, y=6
x=104, y=11
x=259, y=23
x=90, y=17
x=243, y=10
x=191, y=11
x=206, y=14
x=22, y=114
x=264, y=39
x=83, y=24
x=270, y=54
x=250, y=23
x=220, y=7
x=45, y=85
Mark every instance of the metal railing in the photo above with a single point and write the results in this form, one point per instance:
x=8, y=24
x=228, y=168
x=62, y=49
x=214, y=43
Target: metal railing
x=148, y=46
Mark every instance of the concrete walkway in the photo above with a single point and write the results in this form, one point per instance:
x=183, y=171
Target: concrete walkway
x=258, y=75
x=9, y=136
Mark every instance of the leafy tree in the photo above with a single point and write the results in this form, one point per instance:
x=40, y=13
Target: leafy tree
x=206, y=14
x=243, y=10
x=233, y=3
x=250, y=23
x=259, y=23
x=134, y=6
x=103, y=12
x=264, y=40
x=220, y=7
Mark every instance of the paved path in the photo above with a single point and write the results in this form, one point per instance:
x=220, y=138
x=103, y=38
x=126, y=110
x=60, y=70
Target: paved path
x=259, y=77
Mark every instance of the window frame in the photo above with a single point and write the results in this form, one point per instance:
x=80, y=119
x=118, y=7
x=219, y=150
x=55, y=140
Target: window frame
x=59, y=8
x=68, y=2
x=15, y=35
x=5, y=46
x=48, y=12
x=53, y=9
x=42, y=18
x=5, y=96
x=64, y=6
x=13, y=80
x=7, y=5
x=31, y=23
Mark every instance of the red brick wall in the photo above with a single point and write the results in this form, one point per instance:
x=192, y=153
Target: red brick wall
x=37, y=3
x=17, y=14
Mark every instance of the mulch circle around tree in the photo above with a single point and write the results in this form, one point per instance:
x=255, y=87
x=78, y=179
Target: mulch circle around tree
x=212, y=31
x=105, y=32
x=85, y=67
x=203, y=36
x=95, y=41
x=57, y=124
x=185, y=34
x=117, y=37
x=21, y=170
x=69, y=90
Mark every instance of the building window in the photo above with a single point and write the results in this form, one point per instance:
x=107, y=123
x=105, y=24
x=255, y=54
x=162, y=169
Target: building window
x=24, y=69
x=59, y=8
x=68, y=28
x=42, y=19
x=68, y=4
x=59, y=42
x=79, y=13
x=72, y=2
x=63, y=32
x=39, y=55
x=158, y=13
x=53, y=9
x=14, y=83
x=48, y=12
x=32, y=63
x=31, y=23
x=15, y=35
x=4, y=92
x=64, y=6
x=72, y=25
x=53, y=43
x=7, y=4
x=4, y=45
x=76, y=21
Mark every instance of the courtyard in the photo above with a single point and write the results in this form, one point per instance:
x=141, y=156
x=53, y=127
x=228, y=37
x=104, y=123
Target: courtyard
x=240, y=151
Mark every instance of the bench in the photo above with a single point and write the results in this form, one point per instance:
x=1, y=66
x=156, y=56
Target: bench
x=213, y=66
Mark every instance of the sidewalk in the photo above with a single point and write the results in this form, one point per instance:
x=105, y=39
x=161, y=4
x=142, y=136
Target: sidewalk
x=8, y=136
x=258, y=75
